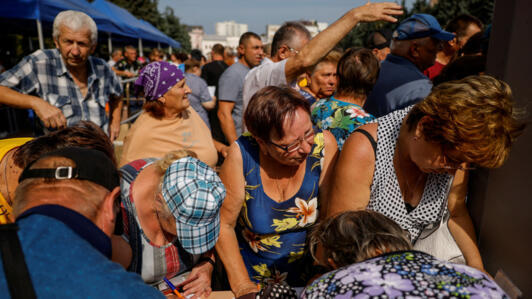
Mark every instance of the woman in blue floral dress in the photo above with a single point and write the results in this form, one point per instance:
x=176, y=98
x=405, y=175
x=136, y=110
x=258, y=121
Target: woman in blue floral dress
x=342, y=113
x=274, y=179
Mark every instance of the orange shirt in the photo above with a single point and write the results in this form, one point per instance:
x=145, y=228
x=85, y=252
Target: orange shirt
x=153, y=138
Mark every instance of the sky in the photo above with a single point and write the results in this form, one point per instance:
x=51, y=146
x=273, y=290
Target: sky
x=257, y=14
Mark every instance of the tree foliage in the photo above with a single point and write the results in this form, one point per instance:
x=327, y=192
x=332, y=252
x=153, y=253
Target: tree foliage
x=443, y=11
x=167, y=22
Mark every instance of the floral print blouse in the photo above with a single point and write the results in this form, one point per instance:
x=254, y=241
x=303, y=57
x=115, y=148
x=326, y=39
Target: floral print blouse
x=405, y=274
x=338, y=117
x=272, y=235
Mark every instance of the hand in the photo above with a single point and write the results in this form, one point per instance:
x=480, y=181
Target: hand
x=371, y=12
x=224, y=150
x=51, y=116
x=114, y=129
x=199, y=281
x=129, y=74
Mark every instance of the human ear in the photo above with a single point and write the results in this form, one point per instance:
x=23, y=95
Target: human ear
x=108, y=211
x=331, y=263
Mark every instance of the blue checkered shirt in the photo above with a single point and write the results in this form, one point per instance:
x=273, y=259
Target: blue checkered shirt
x=44, y=74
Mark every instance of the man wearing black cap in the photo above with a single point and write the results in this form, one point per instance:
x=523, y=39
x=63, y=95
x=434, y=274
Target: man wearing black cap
x=379, y=43
x=401, y=82
x=65, y=212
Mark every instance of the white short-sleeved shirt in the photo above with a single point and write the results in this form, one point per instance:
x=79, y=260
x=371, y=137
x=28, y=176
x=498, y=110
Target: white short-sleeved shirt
x=266, y=74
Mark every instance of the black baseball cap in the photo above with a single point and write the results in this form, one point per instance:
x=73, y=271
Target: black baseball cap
x=91, y=165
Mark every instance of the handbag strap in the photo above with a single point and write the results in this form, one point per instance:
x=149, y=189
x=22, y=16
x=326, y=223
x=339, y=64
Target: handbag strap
x=15, y=268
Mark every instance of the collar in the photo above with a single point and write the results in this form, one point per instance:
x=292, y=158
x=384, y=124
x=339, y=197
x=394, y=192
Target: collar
x=352, y=104
x=81, y=225
x=402, y=61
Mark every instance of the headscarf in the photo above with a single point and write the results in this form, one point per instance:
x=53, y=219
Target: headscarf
x=157, y=78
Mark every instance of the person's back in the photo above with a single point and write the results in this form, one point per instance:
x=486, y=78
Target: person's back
x=65, y=211
x=401, y=83
x=62, y=264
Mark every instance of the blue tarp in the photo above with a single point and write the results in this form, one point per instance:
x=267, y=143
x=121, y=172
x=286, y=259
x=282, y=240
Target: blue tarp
x=125, y=19
x=169, y=40
x=108, y=17
x=46, y=10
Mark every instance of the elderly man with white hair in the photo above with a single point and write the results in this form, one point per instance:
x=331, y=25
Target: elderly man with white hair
x=66, y=85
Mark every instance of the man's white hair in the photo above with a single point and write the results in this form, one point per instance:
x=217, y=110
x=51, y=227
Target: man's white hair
x=75, y=20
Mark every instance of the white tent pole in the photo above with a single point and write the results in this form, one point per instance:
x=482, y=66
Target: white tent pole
x=158, y=45
x=141, y=53
x=110, y=44
x=39, y=33
x=170, y=49
x=30, y=43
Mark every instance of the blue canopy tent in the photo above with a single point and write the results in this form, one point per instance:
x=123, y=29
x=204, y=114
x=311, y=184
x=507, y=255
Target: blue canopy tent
x=46, y=10
x=126, y=19
x=170, y=41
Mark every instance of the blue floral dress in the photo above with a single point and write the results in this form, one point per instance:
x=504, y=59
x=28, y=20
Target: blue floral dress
x=405, y=274
x=272, y=235
x=338, y=117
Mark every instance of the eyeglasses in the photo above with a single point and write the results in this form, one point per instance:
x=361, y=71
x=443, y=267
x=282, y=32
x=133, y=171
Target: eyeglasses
x=293, y=50
x=450, y=163
x=308, y=137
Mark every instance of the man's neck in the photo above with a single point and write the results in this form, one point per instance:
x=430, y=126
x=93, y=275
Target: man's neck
x=80, y=73
x=217, y=58
x=243, y=62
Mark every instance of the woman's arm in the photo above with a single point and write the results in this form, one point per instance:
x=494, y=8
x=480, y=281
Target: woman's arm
x=232, y=175
x=353, y=174
x=460, y=223
x=329, y=160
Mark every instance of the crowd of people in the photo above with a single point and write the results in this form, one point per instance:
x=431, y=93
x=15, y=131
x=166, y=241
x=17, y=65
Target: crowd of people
x=292, y=170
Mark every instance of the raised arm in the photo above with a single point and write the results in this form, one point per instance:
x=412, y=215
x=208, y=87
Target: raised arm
x=328, y=38
x=460, y=223
x=353, y=174
x=232, y=176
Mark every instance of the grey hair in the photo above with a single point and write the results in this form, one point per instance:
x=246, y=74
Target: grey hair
x=287, y=34
x=75, y=20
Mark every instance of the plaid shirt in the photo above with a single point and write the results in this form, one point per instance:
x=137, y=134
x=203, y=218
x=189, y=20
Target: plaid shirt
x=44, y=74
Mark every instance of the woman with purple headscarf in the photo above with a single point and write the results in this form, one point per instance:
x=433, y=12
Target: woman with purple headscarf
x=168, y=122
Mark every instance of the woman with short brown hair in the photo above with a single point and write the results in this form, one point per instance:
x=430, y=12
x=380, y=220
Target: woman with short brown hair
x=412, y=165
x=273, y=177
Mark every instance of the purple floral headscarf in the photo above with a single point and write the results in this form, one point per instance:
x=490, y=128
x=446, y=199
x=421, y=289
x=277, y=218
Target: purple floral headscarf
x=157, y=78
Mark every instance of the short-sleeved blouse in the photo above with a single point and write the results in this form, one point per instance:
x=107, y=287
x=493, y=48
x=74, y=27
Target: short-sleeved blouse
x=152, y=262
x=272, y=235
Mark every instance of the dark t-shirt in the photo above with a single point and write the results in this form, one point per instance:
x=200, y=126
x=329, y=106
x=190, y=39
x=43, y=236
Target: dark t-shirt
x=211, y=73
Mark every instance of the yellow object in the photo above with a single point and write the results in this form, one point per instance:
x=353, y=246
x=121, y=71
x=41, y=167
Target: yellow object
x=6, y=145
x=303, y=82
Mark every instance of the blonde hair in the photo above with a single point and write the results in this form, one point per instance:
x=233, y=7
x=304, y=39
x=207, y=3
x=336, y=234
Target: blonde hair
x=332, y=57
x=474, y=116
x=161, y=166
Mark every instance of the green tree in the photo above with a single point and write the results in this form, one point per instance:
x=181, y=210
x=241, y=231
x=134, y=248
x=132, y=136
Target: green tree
x=166, y=22
x=172, y=27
